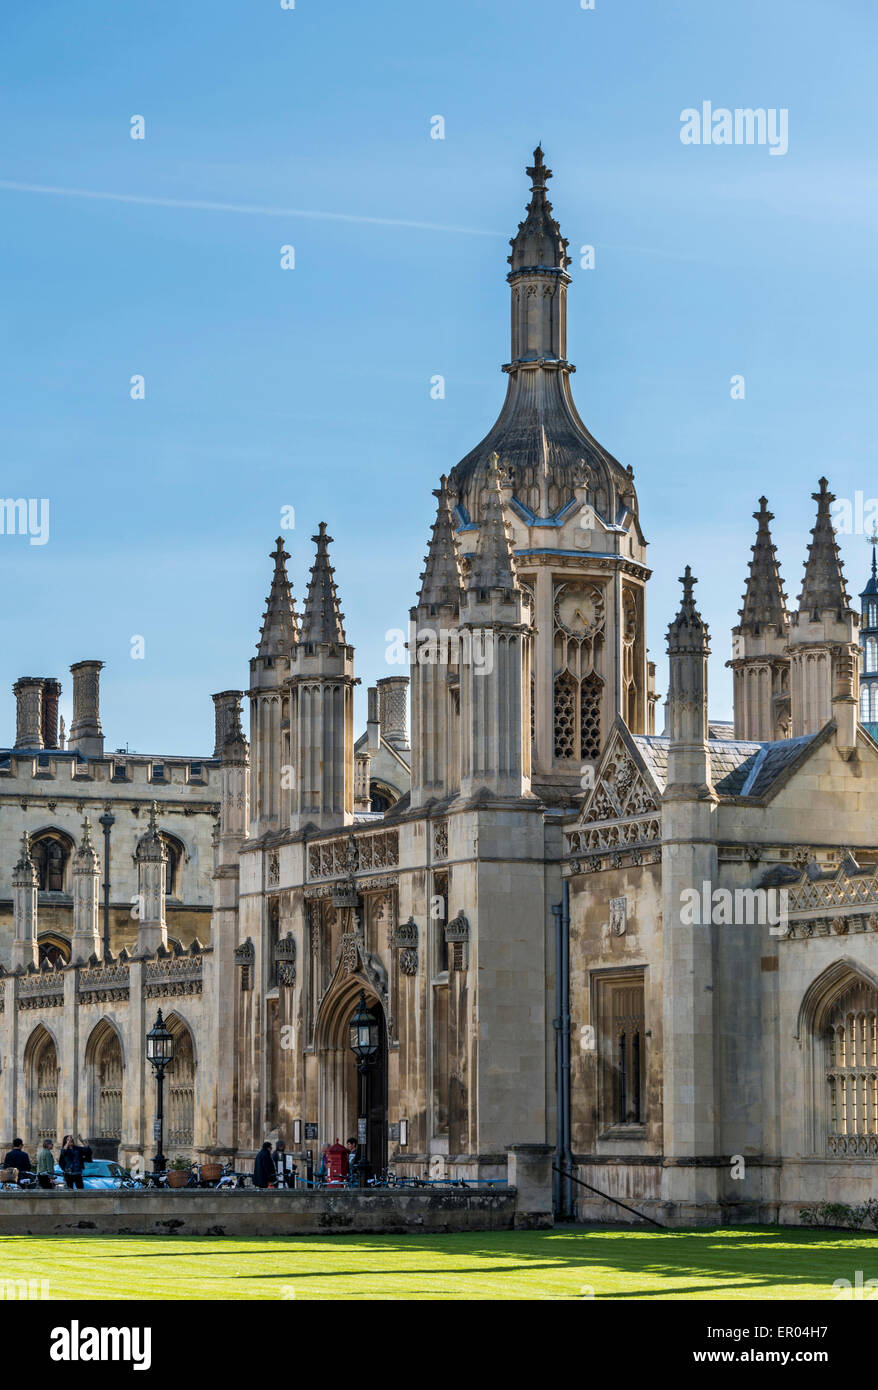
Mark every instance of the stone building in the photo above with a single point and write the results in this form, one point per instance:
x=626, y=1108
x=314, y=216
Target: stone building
x=657, y=954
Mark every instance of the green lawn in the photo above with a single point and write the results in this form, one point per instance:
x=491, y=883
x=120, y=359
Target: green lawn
x=567, y=1263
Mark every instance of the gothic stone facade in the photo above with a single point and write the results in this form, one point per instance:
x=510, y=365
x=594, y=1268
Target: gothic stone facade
x=716, y=886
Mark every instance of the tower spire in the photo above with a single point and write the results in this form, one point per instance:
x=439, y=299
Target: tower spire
x=323, y=619
x=441, y=581
x=764, y=600
x=280, y=625
x=538, y=241
x=823, y=586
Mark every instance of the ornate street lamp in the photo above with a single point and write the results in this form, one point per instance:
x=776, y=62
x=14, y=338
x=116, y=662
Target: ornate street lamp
x=365, y=1042
x=160, y=1051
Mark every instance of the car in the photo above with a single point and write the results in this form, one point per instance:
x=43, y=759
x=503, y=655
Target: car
x=98, y=1175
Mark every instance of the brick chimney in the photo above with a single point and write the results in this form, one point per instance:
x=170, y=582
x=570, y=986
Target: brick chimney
x=51, y=695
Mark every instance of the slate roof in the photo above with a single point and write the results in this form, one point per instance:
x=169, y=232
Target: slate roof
x=739, y=768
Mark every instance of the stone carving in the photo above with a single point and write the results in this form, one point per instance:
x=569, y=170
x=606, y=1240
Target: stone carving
x=273, y=869
x=353, y=853
x=405, y=940
x=440, y=840
x=245, y=955
x=618, y=916
x=457, y=936
x=175, y=975
x=285, y=956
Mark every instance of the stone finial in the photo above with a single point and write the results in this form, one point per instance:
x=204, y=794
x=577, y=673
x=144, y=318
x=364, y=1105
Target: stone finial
x=493, y=565
x=764, y=600
x=86, y=859
x=323, y=619
x=823, y=586
x=538, y=241
x=688, y=632
x=280, y=625
x=441, y=580
x=150, y=845
x=25, y=871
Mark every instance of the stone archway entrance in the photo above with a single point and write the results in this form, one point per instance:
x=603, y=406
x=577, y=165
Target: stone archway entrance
x=339, y=1089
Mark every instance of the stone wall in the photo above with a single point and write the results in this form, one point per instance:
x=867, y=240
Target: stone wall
x=254, y=1213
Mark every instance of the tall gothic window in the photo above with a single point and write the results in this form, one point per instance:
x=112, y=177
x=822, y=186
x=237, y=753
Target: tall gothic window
x=181, y=1097
x=105, y=1068
x=871, y=653
x=50, y=853
x=621, y=1050
x=578, y=691
x=174, y=851
x=852, y=1074
x=46, y=1069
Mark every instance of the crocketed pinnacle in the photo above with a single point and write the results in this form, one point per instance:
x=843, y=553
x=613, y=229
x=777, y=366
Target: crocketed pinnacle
x=688, y=632
x=442, y=581
x=823, y=586
x=765, y=603
x=538, y=241
x=322, y=620
x=86, y=855
x=493, y=564
x=280, y=625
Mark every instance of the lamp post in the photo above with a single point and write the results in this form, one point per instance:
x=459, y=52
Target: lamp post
x=364, y=1045
x=160, y=1051
x=107, y=820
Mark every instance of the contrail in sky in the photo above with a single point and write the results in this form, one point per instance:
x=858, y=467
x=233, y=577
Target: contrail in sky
x=250, y=209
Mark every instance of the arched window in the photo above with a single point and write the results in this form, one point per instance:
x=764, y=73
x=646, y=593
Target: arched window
x=181, y=1088
x=173, y=863
x=53, y=949
x=105, y=1069
x=50, y=851
x=381, y=796
x=852, y=1073
x=41, y=1060
x=871, y=654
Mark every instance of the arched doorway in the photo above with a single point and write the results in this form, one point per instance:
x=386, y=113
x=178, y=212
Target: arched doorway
x=340, y=1089
x=41, y=1058
x=104, y=1072
x=180, y=1122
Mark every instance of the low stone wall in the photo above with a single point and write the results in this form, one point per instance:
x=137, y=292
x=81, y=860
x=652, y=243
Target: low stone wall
x=255, y=1213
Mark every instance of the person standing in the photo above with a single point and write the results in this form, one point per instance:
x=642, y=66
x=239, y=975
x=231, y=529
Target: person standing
x=17, y=1158
x=73, y=1158
x=46, y=1165
x=263, y=1168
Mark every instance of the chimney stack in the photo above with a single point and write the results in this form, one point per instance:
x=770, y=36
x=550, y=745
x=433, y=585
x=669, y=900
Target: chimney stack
x=227, y=709
x=28, y=692
x=86, y=734
x=393, y=716
x=51, y=694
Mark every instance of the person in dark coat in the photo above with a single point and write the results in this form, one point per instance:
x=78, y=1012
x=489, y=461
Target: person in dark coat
x=17, y=1158
x=264, y=1174
x=73, y=1158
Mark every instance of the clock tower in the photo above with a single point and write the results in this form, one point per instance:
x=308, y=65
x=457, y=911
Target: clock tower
x=572, y=516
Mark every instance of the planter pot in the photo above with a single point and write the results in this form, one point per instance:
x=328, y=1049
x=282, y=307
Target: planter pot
x=177, y=1178
x=211, y=1172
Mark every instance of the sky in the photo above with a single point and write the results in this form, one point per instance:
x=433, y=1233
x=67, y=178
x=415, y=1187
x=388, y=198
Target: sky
x=309, y=388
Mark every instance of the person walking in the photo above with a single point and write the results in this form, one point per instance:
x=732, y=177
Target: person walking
x=283, y=1165
x=73, y=1158
x=46, y=1165
x=17, y=1158
x=263, y=1169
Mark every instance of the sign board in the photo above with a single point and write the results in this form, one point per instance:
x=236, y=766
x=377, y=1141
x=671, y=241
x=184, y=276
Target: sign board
x=362, y=1130
x=393, y=1132
x=156, y=1130
x=310, y=1130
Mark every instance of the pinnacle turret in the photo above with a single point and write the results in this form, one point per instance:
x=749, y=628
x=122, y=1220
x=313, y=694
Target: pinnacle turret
x=823, y=587
x=538, y=241
x=493, y=565
x=688, y=632
x=442, y=581
x=323, y=620
x=764, y=600
x=280, y=625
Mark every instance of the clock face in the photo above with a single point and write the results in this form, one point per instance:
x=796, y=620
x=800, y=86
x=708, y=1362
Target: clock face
x=579, y=609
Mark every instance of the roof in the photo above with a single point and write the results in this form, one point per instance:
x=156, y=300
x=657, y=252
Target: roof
x=739, y=767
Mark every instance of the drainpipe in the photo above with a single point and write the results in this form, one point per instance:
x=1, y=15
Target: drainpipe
x=565, y=1045
x=563, y=1191
x=559, y=1070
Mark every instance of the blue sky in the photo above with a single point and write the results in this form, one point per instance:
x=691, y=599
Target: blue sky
x=310, y=388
